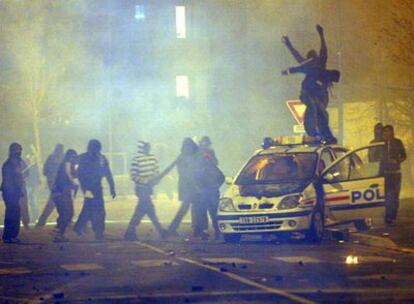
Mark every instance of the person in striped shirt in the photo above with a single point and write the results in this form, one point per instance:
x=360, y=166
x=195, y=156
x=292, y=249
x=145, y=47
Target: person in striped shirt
x=144, y=170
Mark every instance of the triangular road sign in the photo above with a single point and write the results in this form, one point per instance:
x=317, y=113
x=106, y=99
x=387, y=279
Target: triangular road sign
x=297, y=108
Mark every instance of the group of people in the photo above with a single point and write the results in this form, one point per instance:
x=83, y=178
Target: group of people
x=89, y=168
x=198, y=187
x=199, y=177
x=199, y=181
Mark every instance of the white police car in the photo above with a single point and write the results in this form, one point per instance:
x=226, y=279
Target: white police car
x=291, y=186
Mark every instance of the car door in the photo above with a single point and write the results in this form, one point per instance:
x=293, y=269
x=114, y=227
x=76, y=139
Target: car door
x=354, y=187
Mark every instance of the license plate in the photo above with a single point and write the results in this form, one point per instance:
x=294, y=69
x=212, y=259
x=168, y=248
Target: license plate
x=253, y=220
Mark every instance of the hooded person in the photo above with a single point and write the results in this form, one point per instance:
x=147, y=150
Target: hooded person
x=374, y=154
x=63, y=190
x=93, y=167
x=13, y=190
x=144, y=169
x=188, y=166
x=50, y=169
x=211, y=179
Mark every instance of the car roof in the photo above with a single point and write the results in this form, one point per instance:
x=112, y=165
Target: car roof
x=298, y=149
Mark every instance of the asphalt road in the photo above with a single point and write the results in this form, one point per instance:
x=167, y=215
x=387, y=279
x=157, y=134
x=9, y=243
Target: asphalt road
x=365, y=268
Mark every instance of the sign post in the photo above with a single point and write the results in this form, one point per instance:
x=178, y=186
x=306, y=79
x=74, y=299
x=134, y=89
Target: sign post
x=297, y=108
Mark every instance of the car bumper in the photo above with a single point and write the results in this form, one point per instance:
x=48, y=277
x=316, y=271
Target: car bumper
x=275, y=222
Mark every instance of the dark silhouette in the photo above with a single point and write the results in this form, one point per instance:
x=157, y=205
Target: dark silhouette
x=188, y=165
x=93, y=166
x=394, y=154
x=50, y=169
x=13, y=190
x=211, y=180
x=314, y=91
x=374, y=154
x=62, y=191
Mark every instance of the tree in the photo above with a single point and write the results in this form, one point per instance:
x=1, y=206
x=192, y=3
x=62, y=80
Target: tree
x=399, y=42
x=42, y=44
x=400, y=34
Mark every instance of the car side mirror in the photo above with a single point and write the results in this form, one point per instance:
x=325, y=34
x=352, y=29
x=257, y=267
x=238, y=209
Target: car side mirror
x=229, y=180
x=330, y=177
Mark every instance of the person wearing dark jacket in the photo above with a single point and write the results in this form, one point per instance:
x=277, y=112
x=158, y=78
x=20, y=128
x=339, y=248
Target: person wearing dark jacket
x=13, y=189
x=211, y=180
x=394, y=154
x=62, y=191
x=314, y=92
x=50, y=169
x=188, y=166
x=374, y=154
x=93, y=167
x=144, y=169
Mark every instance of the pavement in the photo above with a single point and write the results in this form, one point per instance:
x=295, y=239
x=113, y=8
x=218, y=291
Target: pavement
x=375, y=266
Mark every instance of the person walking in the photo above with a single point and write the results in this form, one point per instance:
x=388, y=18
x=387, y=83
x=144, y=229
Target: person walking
x=32, y=186
x=62, y=192
x=144, y=169
x=50, y=169
x=13, y=189
x=393, y=156
x=211, y=180
x=188, y=165
x=93, y=167
x=314, y=89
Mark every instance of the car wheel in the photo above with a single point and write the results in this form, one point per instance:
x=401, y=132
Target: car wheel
x=363, y=225
x=231, y=238
x=316, y=229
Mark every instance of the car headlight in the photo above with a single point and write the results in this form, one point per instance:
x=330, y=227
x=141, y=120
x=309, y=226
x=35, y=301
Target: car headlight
x=290, y=202
x=226, y=205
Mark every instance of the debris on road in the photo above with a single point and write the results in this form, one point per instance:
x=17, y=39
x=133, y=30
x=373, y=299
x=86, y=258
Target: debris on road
x=58, y=295
x=197, y=288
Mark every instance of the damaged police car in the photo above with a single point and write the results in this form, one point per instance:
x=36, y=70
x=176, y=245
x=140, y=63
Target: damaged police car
x=294, y=186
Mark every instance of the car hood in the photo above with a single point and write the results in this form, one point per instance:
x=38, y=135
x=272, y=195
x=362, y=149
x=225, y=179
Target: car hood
x=271, y=190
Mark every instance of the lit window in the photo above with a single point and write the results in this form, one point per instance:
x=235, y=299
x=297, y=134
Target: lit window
x=180, y=21
x=139, y=12
x=182, y=86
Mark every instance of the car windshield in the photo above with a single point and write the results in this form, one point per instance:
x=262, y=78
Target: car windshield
x=278, y=168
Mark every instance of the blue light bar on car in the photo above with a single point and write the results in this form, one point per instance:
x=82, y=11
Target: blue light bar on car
x=287, y=141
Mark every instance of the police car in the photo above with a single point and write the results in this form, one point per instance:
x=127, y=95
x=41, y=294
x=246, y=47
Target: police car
x=292, y=185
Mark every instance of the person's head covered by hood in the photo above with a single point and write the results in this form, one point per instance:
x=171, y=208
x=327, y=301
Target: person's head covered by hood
x=188, y=147
x=143, y=147
x=378, y=131
x=15, y=150
x=94, y=147
x=71, y=156
x=59, y=150
x=205, y=142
